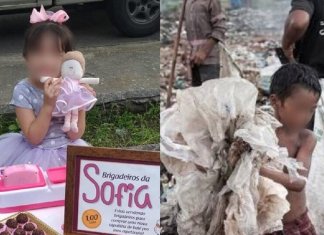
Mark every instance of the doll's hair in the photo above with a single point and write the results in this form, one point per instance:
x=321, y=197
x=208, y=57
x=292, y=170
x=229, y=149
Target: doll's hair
x=35, y=33
x=75, y=55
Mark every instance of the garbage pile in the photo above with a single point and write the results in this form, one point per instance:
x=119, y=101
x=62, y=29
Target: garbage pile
x=252, y=37
x=250, y=42
x=169, y=26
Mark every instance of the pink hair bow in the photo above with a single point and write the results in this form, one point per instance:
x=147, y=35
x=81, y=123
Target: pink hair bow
x=42, y=16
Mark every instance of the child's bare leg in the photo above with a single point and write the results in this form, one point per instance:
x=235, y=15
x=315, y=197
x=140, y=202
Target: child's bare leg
x=74, y=121
x=67, y=122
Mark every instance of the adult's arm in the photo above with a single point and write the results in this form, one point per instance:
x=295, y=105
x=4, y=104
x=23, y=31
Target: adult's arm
x=296, y=25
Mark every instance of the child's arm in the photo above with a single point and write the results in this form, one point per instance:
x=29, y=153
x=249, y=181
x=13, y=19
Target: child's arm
x=81, y=127
x=304, y=155
x=284, y=179
x=36, y=128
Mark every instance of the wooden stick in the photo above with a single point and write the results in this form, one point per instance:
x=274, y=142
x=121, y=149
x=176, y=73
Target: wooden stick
x=175, y=53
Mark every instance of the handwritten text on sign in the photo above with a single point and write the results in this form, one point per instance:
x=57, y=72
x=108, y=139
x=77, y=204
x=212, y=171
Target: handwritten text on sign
x=119, y=198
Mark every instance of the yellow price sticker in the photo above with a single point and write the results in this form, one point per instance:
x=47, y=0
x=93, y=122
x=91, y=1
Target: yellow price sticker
x=91, y=218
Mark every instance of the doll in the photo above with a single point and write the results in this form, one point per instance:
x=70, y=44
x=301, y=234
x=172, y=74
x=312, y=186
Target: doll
x=73, y=96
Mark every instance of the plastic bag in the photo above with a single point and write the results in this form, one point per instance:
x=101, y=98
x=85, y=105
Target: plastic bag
x=197, y=135
x=207, y=118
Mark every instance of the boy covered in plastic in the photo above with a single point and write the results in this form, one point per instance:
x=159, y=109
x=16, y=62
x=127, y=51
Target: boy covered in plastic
x=295, y=91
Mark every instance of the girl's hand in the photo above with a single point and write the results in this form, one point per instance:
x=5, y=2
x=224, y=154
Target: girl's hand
x=89, y=88
x=51, y=91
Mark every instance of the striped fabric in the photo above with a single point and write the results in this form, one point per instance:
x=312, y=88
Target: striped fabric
x=300, y=226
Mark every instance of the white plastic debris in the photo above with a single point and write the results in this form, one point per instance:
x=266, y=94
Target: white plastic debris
x=315, y=185
x=265, y=76
x=218, y=187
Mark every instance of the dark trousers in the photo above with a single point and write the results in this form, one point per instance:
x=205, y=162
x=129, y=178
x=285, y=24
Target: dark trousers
x=202, y=73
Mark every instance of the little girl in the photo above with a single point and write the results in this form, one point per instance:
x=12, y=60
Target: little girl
x=41, y=141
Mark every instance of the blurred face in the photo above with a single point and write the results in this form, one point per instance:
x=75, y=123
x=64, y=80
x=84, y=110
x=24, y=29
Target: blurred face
x=45, y=59
x=296, y=111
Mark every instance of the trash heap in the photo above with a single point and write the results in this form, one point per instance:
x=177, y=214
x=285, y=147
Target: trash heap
x=252, y=36
x=169, y=26
x=250, y=41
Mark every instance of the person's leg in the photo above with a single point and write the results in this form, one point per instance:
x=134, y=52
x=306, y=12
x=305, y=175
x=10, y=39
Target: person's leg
x=74, y=120
x=204, y=73
x=196, y=80
x=67, y=122
x=208, y=72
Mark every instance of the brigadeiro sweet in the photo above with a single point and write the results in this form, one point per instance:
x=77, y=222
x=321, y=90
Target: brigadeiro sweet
x=5, y=233
x=38, y=232
x=11, y=225
x=19, y=231
x=22, y=219
x=29, y=228
x=2, y=227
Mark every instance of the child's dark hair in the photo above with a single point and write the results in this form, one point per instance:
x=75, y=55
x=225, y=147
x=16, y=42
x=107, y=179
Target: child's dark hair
x=294, y=75
x=34, y=35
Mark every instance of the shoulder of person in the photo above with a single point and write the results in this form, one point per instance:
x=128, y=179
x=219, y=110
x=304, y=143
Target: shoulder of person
x=304, y=5
x=22, y=85
x=21, y=96
x=308, y=138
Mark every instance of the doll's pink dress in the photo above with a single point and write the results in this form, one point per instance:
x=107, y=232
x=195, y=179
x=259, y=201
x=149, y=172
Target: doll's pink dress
x=73, y=96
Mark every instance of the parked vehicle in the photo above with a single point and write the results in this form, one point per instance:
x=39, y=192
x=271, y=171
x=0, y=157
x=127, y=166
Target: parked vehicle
x=134, y=18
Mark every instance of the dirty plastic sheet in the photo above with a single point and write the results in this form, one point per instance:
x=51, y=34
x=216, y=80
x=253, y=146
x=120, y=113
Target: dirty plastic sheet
x=206, y=121
x=197, y=134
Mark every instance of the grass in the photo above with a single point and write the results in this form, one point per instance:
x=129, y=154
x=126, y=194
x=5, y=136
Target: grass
x=8, y=123
x=111, y=127
x=119, y=128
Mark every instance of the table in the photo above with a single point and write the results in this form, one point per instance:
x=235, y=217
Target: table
x=54, y=217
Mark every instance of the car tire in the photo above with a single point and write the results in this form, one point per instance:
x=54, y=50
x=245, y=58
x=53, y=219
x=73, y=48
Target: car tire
x=135, y=18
